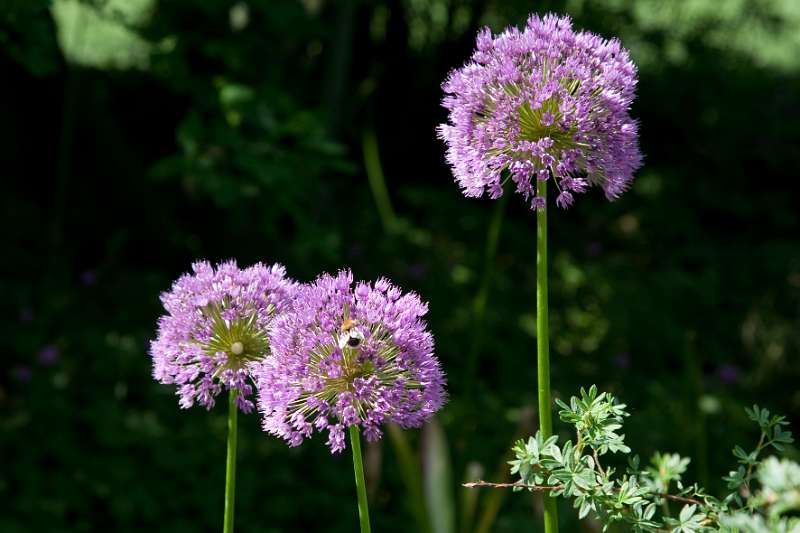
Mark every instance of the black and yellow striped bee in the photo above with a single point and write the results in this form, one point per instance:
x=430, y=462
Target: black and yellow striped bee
x=351, y=337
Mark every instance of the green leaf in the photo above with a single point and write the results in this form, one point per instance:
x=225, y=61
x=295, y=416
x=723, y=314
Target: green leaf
x=687, y=512
x=437, y=478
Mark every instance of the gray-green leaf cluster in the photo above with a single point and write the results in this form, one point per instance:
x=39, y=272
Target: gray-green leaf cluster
x=655, y=498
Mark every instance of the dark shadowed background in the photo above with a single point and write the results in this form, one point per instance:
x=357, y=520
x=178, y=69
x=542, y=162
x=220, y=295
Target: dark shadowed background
x=139, y=135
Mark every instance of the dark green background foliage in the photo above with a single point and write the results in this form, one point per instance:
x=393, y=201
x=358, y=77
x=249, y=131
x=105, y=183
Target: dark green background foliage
x=138, y=136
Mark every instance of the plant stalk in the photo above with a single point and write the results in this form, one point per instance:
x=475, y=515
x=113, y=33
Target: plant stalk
x=482, y=296
x=361, y=486
x=230, y=467
x=543, y=346
x=409, y=469
x=377, y=181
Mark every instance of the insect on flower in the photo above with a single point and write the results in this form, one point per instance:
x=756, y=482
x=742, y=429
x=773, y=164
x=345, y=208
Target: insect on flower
x=348, y=356
x=350, y=337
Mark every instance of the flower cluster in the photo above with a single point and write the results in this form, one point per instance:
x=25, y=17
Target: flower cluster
x=218, y=321
x=347, y=356
x=543, y=102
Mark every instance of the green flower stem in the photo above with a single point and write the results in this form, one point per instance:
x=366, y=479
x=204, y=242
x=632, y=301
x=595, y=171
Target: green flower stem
x=230, y=467
x=409, y=469
x=361, y=486
x=482, y=296
x=377, y=182
x=543, y=346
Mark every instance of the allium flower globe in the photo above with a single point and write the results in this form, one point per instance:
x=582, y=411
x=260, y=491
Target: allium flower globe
x=217, y=321
x=345, y=357
x=543, y=102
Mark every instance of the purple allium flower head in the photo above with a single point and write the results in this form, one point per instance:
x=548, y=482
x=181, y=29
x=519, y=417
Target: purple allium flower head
x=218, y=321
x=26, y=315
x=89, y=277
x=49, y=355
x=622, y=360
x=23, y=374
x=543, y=102
x=348, y=356
x=729, y=374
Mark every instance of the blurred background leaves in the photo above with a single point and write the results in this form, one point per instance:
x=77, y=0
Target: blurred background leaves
x=138, y=136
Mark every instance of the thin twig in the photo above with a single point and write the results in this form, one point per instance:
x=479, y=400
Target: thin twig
x=543, y=488
x=682, y=499
x=535, y=488
x=749, y=475
x=597, y=462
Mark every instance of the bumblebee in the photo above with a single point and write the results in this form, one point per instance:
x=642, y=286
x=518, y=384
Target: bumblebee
x=350, y=337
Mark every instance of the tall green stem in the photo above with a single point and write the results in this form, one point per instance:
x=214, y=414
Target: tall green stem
x=409, y=469
x=230, y=467
x=543, y=346
x=361, y=486
x=377, y=182
x=479, y=303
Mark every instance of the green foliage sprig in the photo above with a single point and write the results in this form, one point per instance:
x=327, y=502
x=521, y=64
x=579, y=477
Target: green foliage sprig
x=762, y=491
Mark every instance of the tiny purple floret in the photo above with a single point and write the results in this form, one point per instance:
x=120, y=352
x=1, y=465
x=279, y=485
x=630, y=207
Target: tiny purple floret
x=49, y=355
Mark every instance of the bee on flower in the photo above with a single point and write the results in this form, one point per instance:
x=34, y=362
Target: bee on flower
x=348, y=357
